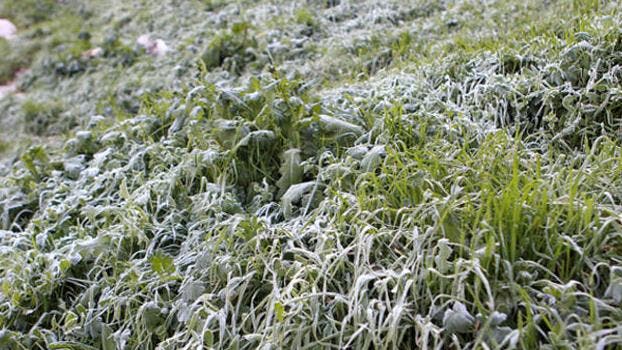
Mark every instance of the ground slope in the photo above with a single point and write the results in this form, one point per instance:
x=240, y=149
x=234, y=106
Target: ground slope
x=334, y=175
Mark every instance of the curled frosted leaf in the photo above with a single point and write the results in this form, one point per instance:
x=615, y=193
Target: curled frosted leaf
x=291, y=170
x=614, y=291
x=338, y=126
x=294, y=195
x=373, y=158
x=458, y=319
x=259, y=138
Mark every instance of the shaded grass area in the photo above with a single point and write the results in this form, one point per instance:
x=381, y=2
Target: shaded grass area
x=464, y=202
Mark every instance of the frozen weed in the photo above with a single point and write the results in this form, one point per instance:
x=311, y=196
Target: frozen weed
x=472, y=201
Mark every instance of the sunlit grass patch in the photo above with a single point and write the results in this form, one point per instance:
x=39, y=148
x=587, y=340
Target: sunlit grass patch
x=463, y=192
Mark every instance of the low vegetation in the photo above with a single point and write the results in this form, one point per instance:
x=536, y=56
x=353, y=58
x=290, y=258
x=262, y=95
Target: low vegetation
x=366, y=191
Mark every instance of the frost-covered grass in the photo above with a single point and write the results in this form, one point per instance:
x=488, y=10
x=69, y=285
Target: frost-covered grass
x=376, y=191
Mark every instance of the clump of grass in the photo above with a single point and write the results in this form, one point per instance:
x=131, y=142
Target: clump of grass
x=450, y=207
x=213, y=5
x=11, y=61
x=4, y=147
x=28, y=12
x=305, y=17
x=39, y=116
x=232, y=49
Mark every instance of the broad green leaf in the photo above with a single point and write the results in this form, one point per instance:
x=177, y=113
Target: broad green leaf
x=291, y=171
x=107, y=340
x=151, y=316
x=162, y=264
x=279, y=310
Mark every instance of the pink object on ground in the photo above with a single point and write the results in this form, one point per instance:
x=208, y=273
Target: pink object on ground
x=92, y=53
x=153, y=47
x=7, y=29
x=11, y=86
